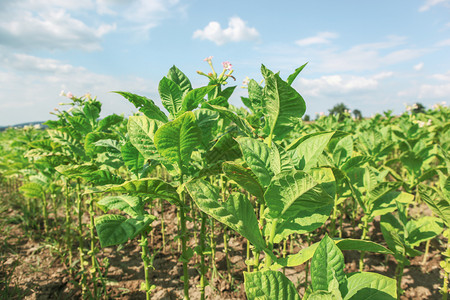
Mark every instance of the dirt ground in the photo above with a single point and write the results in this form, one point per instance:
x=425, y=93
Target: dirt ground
x=31, y=266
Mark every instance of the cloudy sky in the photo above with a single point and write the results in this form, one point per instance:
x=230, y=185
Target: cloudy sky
x=371, y=55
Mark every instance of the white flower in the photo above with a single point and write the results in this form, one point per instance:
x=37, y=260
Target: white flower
x=69, y=95
x=208, y=59
x=246, y=81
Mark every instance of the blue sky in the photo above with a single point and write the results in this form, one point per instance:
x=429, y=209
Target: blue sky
x=371, y=55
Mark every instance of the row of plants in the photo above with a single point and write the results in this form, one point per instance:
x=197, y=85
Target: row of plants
x=257, y=171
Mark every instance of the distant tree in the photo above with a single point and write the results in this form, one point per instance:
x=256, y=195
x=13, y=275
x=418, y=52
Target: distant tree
x=418, y=108
x=339, y=109
x=357, y=113
x=306, y=118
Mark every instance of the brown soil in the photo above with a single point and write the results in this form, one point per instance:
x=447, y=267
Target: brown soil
x=31, y=266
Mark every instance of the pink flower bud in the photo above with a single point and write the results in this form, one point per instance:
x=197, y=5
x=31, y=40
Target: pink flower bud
x=208, y=59
x=69, y=95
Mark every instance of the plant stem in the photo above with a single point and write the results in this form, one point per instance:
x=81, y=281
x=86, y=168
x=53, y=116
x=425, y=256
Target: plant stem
x=93, y=252
x=248, y=257
x=427, y=249
x=146, y=260
x=398, y=277
x=68, y=226
x=45, y=212
x=273, y=228
x=81, y=240
x=202, y=257
x=163, y=224
x=363, y=237
x=183, y=242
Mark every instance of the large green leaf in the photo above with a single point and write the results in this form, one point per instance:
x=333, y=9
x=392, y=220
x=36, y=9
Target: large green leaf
x=171, y=96
x=370, y=286
x=32, y=190
x=438, y=204
x=116, y=230
x=194, y=97
x=265, y=285
x=141, y=131
x=393, y=235
x=283, y=105
x=256, y=155
x=423, y=229
x=109, y=121
x=240, y=122
x=132, y=205
x=180, y=79
x=237, y=213
x=327, y=264
x=177, y=139
x=244, y=177
x=307, y=149
x=147, y=187
x=322, y=295
x=361, y=245
x=145, y=105
x=294, y=75
x=91, y=138
x=76, y=170
x=132, y=158
x=225, y=149
x=207, y=122
x=290, y=193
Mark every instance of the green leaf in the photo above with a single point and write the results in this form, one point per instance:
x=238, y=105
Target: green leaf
x=294, y=75
x=171, y=96
x=177, y=139
x=244, y=177
x=370, y=286
x=283, y=105
x=131, y=205
x=147, y=187
x=237, y=213
x=207, y=122
x=343, y=150
x=32, y=190
x=109, y=121
x=91, y=138
x=239, y=121
x=291, y=193
x=322, y=295
x=76, y=170
x=326, y=264
x=265, y=285
x=280, y=160
x=393, y=235
x=116, y=230
x=307, y=149
x=145, y=105
x=361, y=245
x=92, y=111
x=256, y=155
x=132, y=158
x=439, y=205
x=423, y=229
x=142, y=130
x=297, y=259
x=180, y=79
x=194, y=97
x=226, y=148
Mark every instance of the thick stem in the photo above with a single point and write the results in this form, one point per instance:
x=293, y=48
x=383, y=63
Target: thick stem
x=163, y=224
x=273, y=228
x=248, y=257
x=427, y=249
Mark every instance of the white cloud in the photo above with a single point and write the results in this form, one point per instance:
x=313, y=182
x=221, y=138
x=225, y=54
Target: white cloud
x=236, y=31
x=418, y=67
x=430, y=3
x=320, y=38
x=31, y=86
x=340, y=84
x=33, y=24
x=443, y=43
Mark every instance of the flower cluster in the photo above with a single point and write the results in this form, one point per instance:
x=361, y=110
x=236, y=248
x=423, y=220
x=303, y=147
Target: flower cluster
x=224, y=75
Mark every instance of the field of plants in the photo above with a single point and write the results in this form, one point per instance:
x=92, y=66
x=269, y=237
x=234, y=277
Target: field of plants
x=212, y=201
